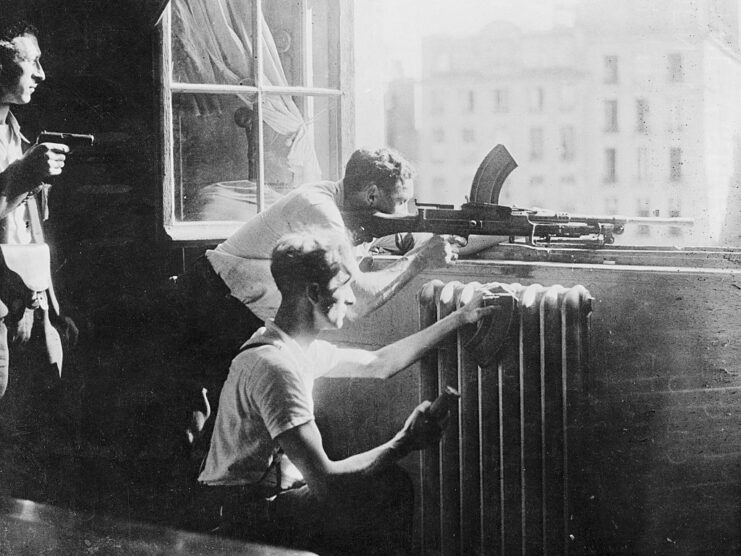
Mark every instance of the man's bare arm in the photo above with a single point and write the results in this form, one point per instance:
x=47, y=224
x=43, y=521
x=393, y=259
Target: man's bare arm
x=303, y=445
x=389, y=360
x=374, y=288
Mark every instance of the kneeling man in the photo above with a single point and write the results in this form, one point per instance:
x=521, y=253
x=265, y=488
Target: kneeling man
x=266, y=465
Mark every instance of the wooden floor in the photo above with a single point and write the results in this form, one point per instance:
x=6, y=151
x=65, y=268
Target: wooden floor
x=27, y=527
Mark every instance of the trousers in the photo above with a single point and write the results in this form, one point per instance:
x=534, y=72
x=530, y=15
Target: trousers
x=367, y=516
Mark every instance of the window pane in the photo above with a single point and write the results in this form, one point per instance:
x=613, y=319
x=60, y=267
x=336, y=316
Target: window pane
x=611, y=69
x=214, y=42
x=300, y=35
x=211, y=45
x=215, y=151
x=211, y=155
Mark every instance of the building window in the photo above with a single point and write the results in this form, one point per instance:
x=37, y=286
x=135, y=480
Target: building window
x=469, y=136
x=238, y=131
x=643, y=211
x=610, y=166
x=611, y=116
x=611, y=69
x=501, y=100
x=537, y=99
x=468, y=101
x=642, y=165
x=642, y=115
x=675, y=67
x=567, y=143
x=536, y=143
x=438, y=135
x=675, y=164
x=675, y=212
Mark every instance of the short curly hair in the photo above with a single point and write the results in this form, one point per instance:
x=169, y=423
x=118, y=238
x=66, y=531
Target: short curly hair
x=384, y=167
x=9, y=30
x=308, y=257
x=16, y=28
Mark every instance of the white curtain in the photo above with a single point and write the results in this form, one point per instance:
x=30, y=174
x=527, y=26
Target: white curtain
x=215, y=39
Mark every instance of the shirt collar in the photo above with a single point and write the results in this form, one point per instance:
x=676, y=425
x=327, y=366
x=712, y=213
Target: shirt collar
x=339, y=194
x=272, y=334
x=15, y=126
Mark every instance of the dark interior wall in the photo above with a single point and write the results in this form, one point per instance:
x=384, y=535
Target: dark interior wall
x=110, y=261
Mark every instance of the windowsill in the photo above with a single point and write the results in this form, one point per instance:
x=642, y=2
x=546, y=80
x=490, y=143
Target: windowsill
x=201, y=232
x=675, y=259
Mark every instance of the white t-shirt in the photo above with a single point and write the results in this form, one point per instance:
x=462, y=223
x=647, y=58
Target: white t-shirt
x=11, y=149
x=243, y=260
x=268, y=391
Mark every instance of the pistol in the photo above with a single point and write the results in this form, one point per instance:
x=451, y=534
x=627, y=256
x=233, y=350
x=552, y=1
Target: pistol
x=72, y=140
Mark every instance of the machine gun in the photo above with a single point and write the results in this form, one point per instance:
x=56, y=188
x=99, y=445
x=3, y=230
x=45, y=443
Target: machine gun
x=484, y=216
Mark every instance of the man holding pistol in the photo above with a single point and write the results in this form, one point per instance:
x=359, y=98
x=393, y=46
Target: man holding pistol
x=26, y=296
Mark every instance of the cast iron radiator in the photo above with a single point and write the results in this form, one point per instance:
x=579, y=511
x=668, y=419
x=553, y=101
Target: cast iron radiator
x=499, y=484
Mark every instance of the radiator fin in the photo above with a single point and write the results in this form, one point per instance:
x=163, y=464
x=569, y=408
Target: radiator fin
x=499, y=483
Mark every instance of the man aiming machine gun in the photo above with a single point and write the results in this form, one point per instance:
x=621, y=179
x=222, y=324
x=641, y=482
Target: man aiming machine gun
x=482, y=215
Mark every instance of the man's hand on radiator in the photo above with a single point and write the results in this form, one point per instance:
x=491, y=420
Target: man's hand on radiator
x=476, y=308
x=421, y=430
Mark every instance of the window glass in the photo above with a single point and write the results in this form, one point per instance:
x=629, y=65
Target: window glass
x=642, y=115
x=610, y=171
x=567, y=142
x=611, y=116
x=235, y=141
x=303, y=39
x=537, y=99
x=501, y=100
x=674, y=67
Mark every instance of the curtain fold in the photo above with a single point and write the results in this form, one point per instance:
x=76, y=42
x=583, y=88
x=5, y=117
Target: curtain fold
x=216, y=47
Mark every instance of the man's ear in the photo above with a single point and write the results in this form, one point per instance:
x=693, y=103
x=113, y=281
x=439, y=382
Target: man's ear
x=371, y=194
x=313, y=292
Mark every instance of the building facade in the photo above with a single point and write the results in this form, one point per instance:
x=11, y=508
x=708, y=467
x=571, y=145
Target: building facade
x=633, y=109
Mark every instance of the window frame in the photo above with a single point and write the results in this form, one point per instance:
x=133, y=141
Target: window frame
x=342, y=122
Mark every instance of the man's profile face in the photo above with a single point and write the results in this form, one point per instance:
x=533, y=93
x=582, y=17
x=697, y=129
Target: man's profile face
x=19, y=81
x=395, y=203
x=337, y=297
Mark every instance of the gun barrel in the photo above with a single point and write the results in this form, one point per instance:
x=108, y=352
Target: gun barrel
x=611, y=219
x=668, y=221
